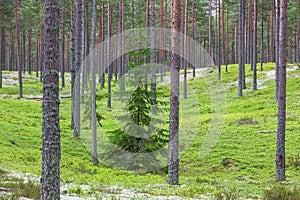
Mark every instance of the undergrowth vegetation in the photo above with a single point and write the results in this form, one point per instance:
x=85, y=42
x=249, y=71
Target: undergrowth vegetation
x=17, y=187
x=241, y=164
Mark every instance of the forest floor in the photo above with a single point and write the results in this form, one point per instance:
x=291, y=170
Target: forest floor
x=240, y=166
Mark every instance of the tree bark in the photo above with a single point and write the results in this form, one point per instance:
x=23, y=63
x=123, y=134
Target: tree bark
x=109, y=68
x=296, y=44
x=277, y=24
x=153, y=56
x=41, y=54
x=37, y=53
x=241, y=47
x=121, y=41
x=280, y=145
x=73, y=60
x=173, y=159
x=290, y=48
x=87, y=28
x=161, y=38
x=226, y=38
x=146, y=60
x=272, y=35
x=185, y=47
x=63, y=49
x=67, y=58
x=194, y=35
x=234, y=45
x=269, y=42
x=17, y=9
x=219, y=37
x=102, y=37
x=24, y=52
x=254, y=59
x=78, y=61
x=211, y=46
x=85, y=44
x=2, y=59
x=50, y=180
x=244, y=53
x=29, y=52
x=250, y=35
x=95, y=159
x=297, y=36
x=262, y=49
x=12, y=52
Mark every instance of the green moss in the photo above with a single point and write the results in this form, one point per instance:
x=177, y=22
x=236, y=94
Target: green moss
x=250, y=147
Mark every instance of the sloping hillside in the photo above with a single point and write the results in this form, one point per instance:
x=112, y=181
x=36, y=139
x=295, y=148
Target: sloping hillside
x=241, y=164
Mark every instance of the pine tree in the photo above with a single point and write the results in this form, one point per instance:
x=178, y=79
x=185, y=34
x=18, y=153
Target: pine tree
x=277, y=27
x=262, y=48
x=2, y=53
x=29, y=52
x=63, y=49
x=280, y=146
x=241, y=47
x=76, y=89
x=211, y=46
x=95, y=158
x=50, y=180
x=109, y=68
x=173, y=158
x=73, y=65
x=17, y=9
x=254, y=51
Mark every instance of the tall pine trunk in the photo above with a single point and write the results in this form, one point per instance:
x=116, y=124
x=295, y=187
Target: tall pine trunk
x=254, y=58
x=84, y=44
x=37, y=54
x=276, y=27
x=67, y=58
x=161, y=38
x=24, y=51
x=153, y=55
x=73, y=65
x=41, y=61
x=185, y=47
x=219, y=37
x=17, y=8
x=2, y=59
x=225, y=36
x=250, y=34
x=102, y=37
x=29, y=57
x=241, y=47
x=63, y=49
x=121, y=42
x=262, y=49
x=244, y=52
x=194, y=35
x=280, y=145
x=173, y=158
x=234, y=45
x=50, y=180
x=297, y=38
x=210, y=43
x=12, y=52
x=78, y=38
x=296, y=44
x=109, y=67
x=95, y=159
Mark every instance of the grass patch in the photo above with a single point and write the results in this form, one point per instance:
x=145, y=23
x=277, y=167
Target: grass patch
x=15, y=188
x=241, y=164
x=281, y=191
